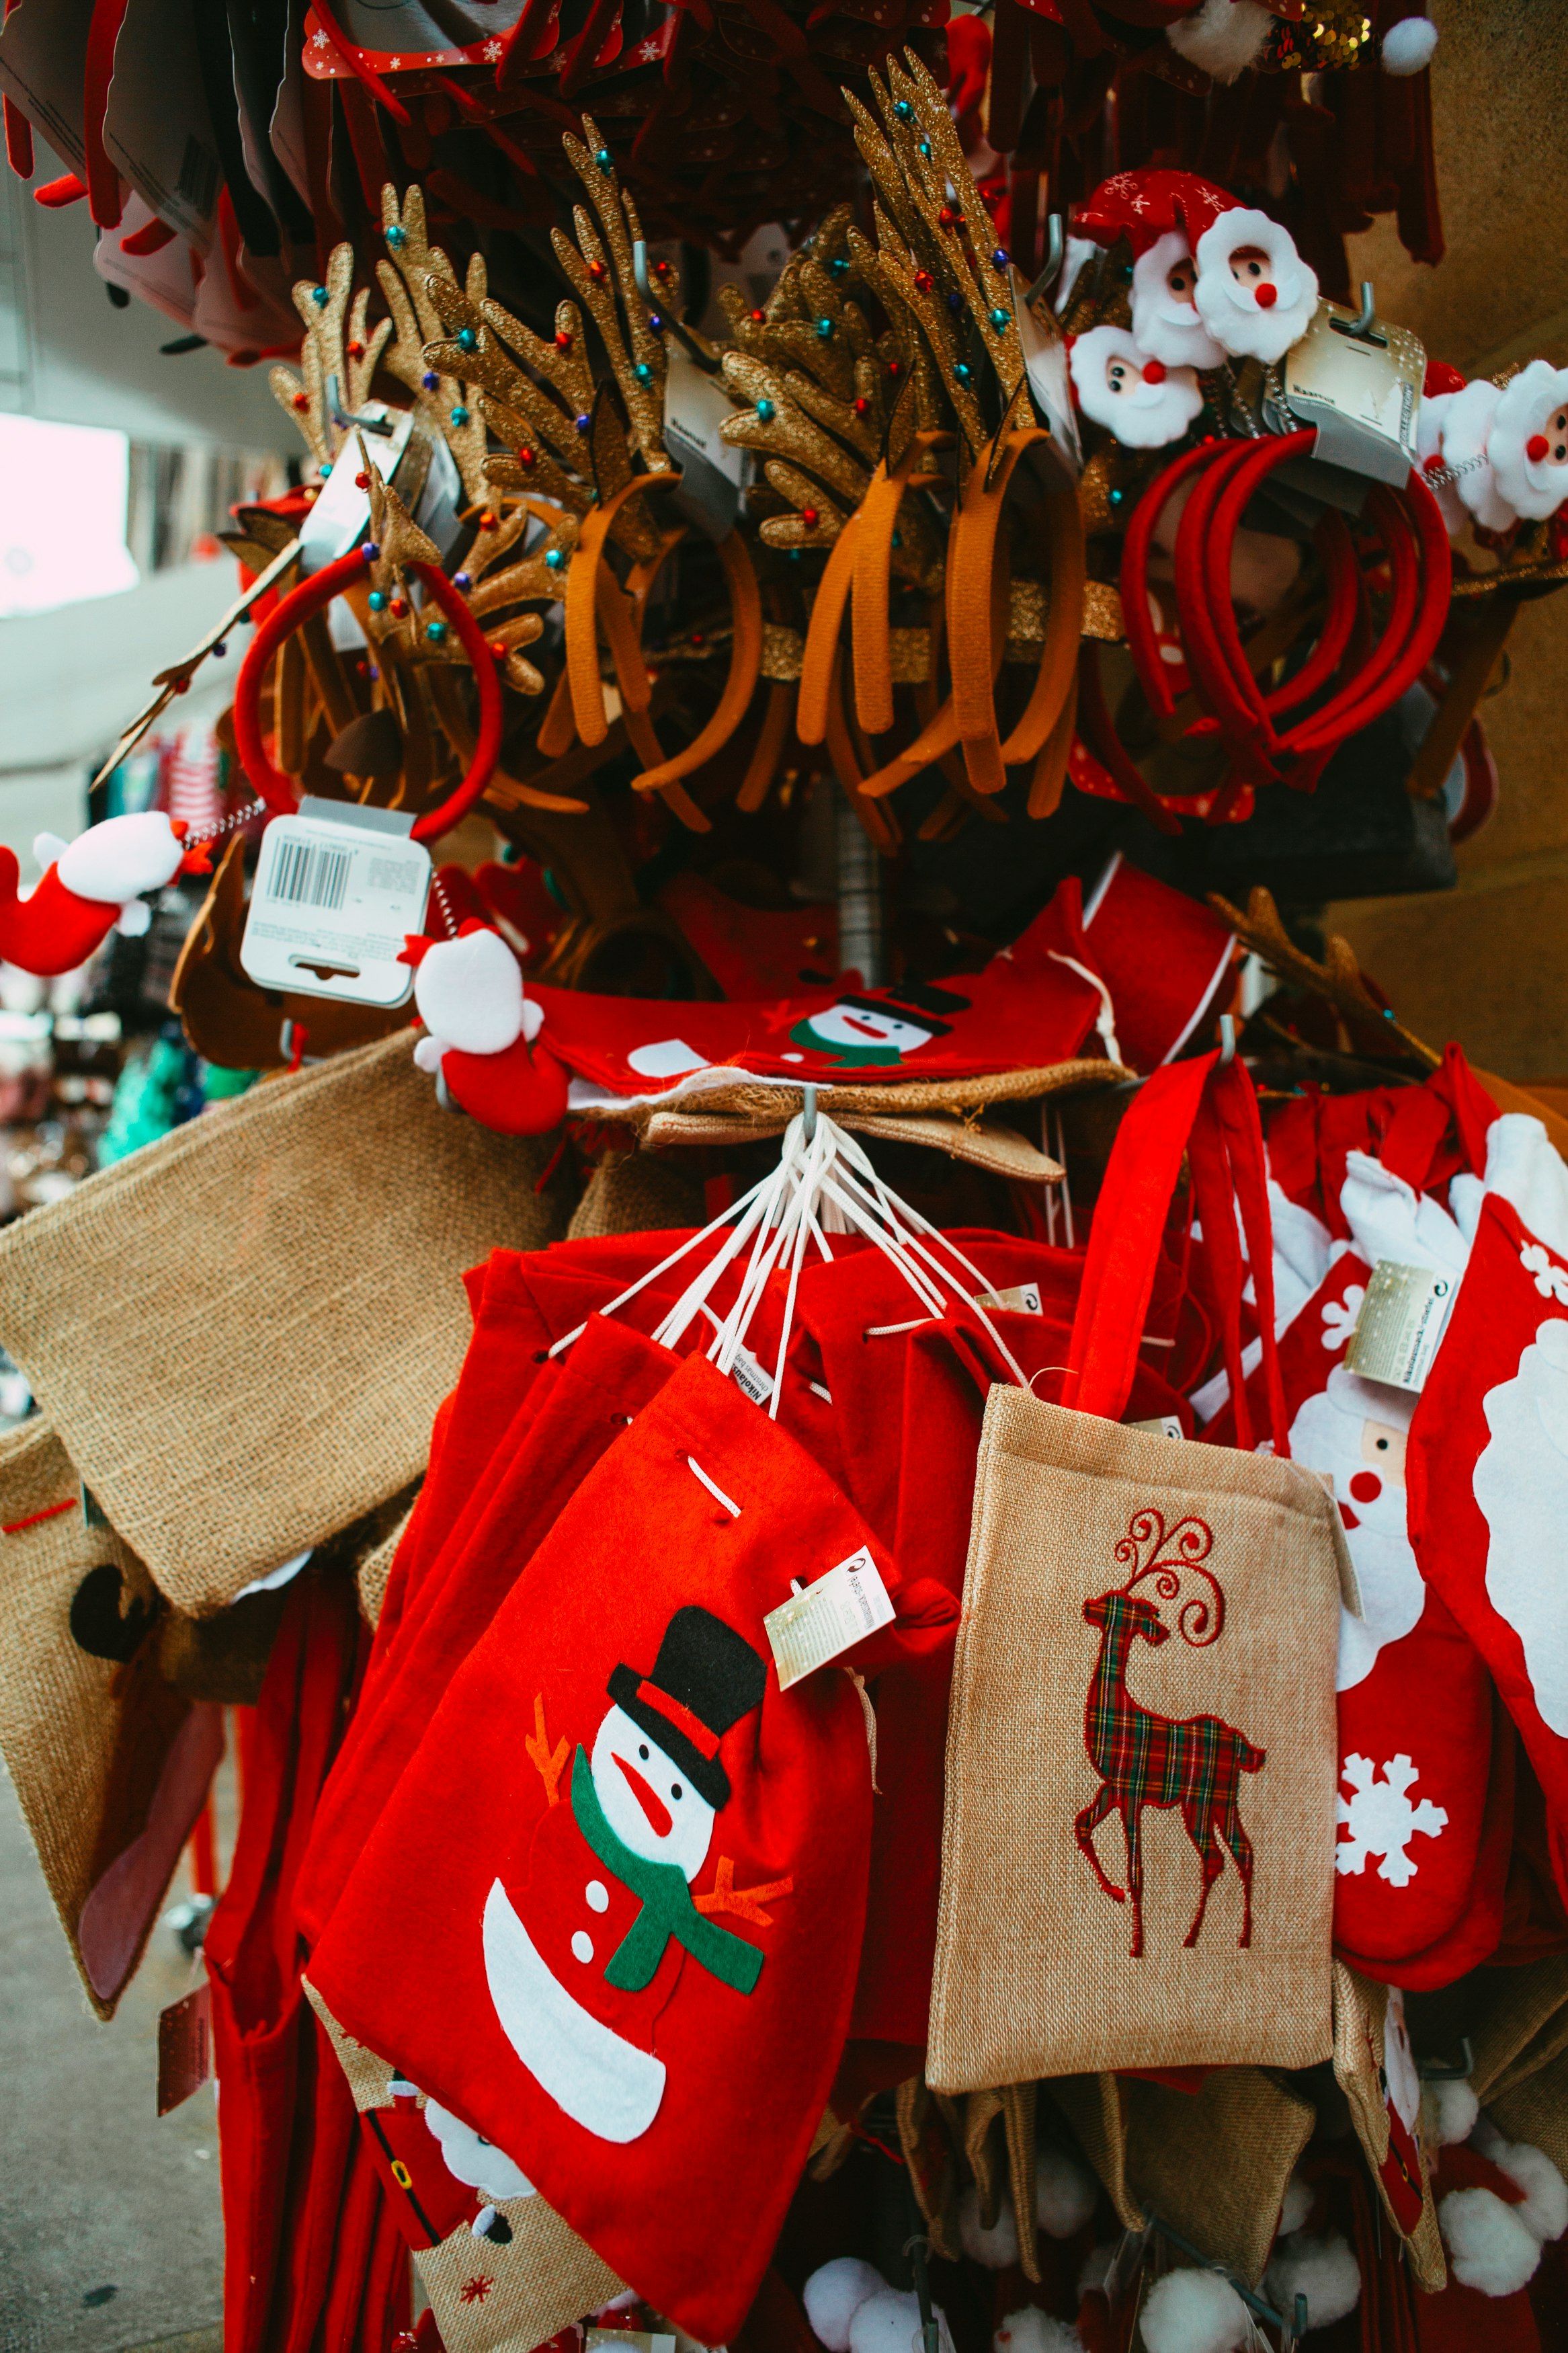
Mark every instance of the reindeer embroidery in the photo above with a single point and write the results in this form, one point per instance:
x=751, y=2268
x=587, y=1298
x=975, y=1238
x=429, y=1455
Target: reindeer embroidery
x=1152, y=1760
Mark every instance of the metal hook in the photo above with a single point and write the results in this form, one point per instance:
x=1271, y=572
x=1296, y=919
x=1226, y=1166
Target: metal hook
x=918, y=2251
x=1227, y=1039
x=346, y=417
x=1432, y=2072
x=1056, y=246
x=808, y=1114
x=1360, y=328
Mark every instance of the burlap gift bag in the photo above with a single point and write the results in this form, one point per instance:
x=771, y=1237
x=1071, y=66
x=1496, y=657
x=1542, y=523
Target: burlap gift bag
x=1375, y=2068
x=1146, y=1654
x=241, y=1333
x=504, y=2286
x=110, y=1763
x=1213, y=2164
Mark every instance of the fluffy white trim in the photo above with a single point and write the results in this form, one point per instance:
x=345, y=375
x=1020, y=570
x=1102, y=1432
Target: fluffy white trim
x=1407, y=47
x=890, y=2323
x=1031, y=2330
x=1538, y=394
x=1449, y=2113
x=1296, y=2207
x=997, y=2247
x=1163, y=326
x=469, y=991
x=1545, y=2209
x=121, y=857
x=1065, y=2193
x=1466, y=433
x=1491, y=2248
x=1229, y=307
x=427, y=1053
x=1109, y=373
x=135, y=920
x=1194, y=2312
x=833, y=2295
x=1322, y=2270
x=1223, y=37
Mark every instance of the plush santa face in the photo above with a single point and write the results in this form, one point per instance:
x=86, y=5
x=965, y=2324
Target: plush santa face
x=472, y=2159
x=1466, y=437
x=1165, y=321
x=1140, y=400
x=1356, y=1432
x=647, y=1800
x=1528, y=444
x=1522, y=1486
x=1255, y=294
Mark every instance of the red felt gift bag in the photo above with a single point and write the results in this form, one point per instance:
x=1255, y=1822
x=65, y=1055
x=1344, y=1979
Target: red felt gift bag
x=612, y=1915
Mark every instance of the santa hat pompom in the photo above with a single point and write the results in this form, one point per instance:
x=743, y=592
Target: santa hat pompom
x=1255, y=293
x=1491, y=2248
x=1529, y=427
x=1031, y=2331
x=1296, y=2207
x=1165, y=322
x=1223, y=37
x=1407, y=48
x=118, y=859
x=1322, y=2270
x=890, y=2323
x=1543, y=2209
x=1065, y=2193
x=469, y=992
x=997, y=2247
x=1194, y=2312
x=1449, y=2113
x=1466, y=433
x=1142, y=402
x=833, y=2295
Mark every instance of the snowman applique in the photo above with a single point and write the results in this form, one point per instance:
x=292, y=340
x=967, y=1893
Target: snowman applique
x=882, y=1029
x=582, y=1965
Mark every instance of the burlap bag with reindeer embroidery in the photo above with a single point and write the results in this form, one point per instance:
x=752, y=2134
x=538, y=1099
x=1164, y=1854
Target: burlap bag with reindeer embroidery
x=1137, y=1849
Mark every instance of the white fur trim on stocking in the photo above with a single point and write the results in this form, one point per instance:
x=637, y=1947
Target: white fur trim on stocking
x=1491, y=2248
x=833, y=2295
x=1407, y=48
x=1530, y=426
x=1467, y=431
x=135, y=920
x=1254, y=317
x=997, y=2247
x=1545, y=2207
x=121, y=857
x=427, y=1054
x=1296, y=2207
x=1449, y=2113
x=1223, y=37
x=1141, y=401
x=469, y=992
x=1065, y=2193
x=1194, y=2312
x=1165, y=324
x=1324, y=2270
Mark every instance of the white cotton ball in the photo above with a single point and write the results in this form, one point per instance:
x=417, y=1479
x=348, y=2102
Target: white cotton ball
x=1407, y=48
x=1491, y=2249
x=833, y=2295
x=997, y=2247
x=1065, y=2193
x=1295, y=2207
x=1449, y=2113
x=121, y=857
x=1033, y=2331
x=890, y=2323
x=1322, y=2270
x=469, y=992
x=1545, y=2207
x=1194, y=2312
x=1096, y=2269
x=1223, y=37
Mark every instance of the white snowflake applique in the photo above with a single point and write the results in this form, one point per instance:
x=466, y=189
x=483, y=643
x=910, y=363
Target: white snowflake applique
x=1380, y=1819
x=1340, y=1316
x=1551, y=1281
x=492, y=51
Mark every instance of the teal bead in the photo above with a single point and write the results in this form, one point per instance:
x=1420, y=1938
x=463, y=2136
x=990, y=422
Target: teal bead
x=459, y=415
x=1000, y=318
x=839, y=268
x=961, y=372
x=325, y=471
x=377, y=601
x=825, y=330
x=766, y=411
x=436, y=631
x=925, y=146
x=466, y=339
x=319, y=297
x=554, y=558
x=904, y=110
x=397, y=237
x=643, y=373
x=897, y=539
x=605, y=160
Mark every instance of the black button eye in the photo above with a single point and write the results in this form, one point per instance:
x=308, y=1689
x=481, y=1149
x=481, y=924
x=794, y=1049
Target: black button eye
x=674, y=1790
x=643, y=1750
x=1383, y=1445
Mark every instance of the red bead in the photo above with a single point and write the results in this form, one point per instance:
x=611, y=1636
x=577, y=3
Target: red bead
x=525, y=458
x=399, y=606
x=356, y=351
x=362, y=482
x=808, y=516
x=895, y=367
x=924, y=280
x=698, y=638
x=596, y=271
x=563, y=341
x=487, y=521
x=662, y=267
x=862, y=407
x=758, y=318
x=302, y=400
x=1535, y=449
x=499, y=650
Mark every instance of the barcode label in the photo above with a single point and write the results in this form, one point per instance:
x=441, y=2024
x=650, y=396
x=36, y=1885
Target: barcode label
x=310, y=874
x=197, y=182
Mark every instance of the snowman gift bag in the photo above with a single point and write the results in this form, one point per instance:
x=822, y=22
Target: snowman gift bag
x=611, y=1917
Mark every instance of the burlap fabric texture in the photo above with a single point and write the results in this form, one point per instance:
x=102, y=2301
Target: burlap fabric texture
x=1143, y=1685
x=241, y=1334
x=1363, y=2032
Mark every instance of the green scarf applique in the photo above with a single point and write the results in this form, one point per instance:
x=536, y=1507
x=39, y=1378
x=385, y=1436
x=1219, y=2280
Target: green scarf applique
x=804, y=1034
x=668, y=1909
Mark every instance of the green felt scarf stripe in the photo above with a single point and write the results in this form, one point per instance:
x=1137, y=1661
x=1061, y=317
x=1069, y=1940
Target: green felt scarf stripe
x=667, y=1906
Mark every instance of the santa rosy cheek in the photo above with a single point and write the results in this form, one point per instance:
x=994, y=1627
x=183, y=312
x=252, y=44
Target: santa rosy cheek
x=1366, y=1486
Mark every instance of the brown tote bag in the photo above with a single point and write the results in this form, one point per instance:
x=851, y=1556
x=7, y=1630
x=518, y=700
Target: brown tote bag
x=241, y=1333
x=1137, y=1849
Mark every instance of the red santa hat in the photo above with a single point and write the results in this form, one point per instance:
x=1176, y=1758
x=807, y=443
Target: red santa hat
x=1143, y=206
x=1140, y=400
x=1255, y=293
x=1528, y=444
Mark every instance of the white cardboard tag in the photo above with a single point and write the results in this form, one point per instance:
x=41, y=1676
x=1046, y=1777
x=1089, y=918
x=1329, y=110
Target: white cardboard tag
x=750, y=1377
x=156, y=126
x=340, y=518
x=1363, y=394
x=1160, y=1425
x=337, y=891
x=1022, y=1299
x=831, y=1616
x=1400, y=1324
x=713, y=472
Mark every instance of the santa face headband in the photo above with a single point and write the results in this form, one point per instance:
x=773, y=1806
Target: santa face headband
x=1165, y=321
x=1528, y=444
x=1139, y=399
x=1255, y=293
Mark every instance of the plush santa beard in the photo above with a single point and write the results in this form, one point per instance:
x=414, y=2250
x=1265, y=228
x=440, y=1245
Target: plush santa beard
x=1521, y=1485
x=1464, y=434
x=1326, y=1436
x=1230, y=309
x=1146, y=412
x=1527, y=414
x=1165, y=324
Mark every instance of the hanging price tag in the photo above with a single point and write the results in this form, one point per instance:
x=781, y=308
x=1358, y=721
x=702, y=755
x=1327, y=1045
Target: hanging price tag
x=1023, y=1299
x=184, y=2048
x=1361, y=392
x=712, y=472
x=831, y=1616
x=1400, y=1324
x=337, y=891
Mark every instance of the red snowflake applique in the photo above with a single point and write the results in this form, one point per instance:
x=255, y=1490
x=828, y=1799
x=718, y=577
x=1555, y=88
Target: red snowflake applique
x=476, y=2290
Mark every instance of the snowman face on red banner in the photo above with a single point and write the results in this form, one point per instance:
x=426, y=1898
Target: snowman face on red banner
x=1165, y=321
x=879, y=1031
x=1255, y=294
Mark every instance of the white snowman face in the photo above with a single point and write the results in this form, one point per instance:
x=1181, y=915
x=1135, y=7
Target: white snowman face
x=854, y=1025
x=470, y=2158
x=647, y=1800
